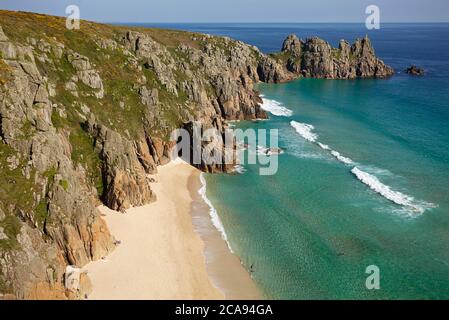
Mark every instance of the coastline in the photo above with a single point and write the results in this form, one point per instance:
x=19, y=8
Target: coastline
x=167, y=249
x=224, y=267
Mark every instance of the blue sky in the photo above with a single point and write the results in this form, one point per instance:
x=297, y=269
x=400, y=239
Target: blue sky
x=240, y=10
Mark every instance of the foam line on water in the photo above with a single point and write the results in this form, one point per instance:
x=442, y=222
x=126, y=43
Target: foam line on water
x=416, y=207
x=323, y=146
x=341, y=158
x=216, y=221
x=304, y=130
x=410, y=205
x=275, y=107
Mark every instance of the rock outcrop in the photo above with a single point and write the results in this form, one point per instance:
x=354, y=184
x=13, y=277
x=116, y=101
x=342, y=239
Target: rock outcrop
x=316, y=58
x=86, y=118
x=415, y=71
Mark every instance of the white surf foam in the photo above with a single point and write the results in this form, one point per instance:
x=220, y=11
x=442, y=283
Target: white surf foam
x=304, y=130
x=409, y=205
x=216, y=221
x=275, y=108
x=417, y=208
x=323, y=146
x=378, y=171
x=239, y=169
x=341, y=158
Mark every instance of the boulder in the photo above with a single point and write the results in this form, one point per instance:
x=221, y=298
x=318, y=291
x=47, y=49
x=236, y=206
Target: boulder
x=77, y=283
x=86, y=73
x=72, y=279
x=415, y=71
x=149, y=97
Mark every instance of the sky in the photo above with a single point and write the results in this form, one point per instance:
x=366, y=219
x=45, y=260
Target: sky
x=239, y=10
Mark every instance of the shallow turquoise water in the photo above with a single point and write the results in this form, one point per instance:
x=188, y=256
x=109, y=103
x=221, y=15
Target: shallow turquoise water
x=311, y=230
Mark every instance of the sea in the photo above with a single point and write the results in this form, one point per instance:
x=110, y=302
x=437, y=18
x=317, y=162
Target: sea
x=359, y=205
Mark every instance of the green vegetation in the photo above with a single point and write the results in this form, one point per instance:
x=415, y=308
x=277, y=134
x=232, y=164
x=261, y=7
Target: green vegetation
x=117, y=73
x=84, y=153
x=64, y=184
x=15, y=188
x=336, y=54
x=281, y=57
x=4, y=71
x=41, y=213
x=11, y=227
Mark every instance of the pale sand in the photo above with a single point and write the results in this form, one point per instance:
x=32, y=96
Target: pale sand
x=161, y=255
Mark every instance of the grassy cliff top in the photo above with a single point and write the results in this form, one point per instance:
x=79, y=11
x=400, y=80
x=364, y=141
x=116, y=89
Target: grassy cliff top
x=20, y=25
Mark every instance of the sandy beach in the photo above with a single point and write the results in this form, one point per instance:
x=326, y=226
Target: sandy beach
x=162, y=254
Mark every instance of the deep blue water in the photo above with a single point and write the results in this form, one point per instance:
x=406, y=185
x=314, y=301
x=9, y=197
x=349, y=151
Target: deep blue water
x=310, y=230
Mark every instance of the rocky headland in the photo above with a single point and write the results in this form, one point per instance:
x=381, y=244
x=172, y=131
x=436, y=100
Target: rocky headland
x=86, y=117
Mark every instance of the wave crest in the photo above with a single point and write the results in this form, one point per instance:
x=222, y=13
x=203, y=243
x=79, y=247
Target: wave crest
x=275, y=108
x=216, y=221
x=395, y=196
x=305, y=130
x=341, y=158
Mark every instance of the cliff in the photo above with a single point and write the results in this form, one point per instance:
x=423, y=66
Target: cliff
x=316, y=58
x=86, y=117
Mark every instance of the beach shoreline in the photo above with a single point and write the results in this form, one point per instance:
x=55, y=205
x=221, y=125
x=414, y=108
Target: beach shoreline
x=167, y=249
x=224, y=268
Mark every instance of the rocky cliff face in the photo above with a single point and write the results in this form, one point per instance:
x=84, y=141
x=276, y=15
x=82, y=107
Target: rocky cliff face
x=86, y=117
x=316, y=58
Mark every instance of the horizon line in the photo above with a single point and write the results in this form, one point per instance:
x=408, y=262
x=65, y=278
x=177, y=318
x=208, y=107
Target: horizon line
x=264, y=22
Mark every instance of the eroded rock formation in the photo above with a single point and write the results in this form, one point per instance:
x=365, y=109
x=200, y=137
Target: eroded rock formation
x=316, y=58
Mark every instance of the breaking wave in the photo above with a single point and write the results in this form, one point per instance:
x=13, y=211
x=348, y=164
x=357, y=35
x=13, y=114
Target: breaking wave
x=411, y=206
x=323, y=146
x=417, y=207
x=275, y=108
x=305, y=130
x=216, y=221
x=341, y=158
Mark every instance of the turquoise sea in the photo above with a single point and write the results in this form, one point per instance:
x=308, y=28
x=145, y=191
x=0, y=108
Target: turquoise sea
x=311, y=230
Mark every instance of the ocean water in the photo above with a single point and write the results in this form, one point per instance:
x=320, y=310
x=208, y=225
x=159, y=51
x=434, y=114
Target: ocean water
x=364, y=179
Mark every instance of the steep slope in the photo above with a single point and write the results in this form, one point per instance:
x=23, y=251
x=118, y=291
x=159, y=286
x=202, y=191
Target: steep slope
x=86, y=117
